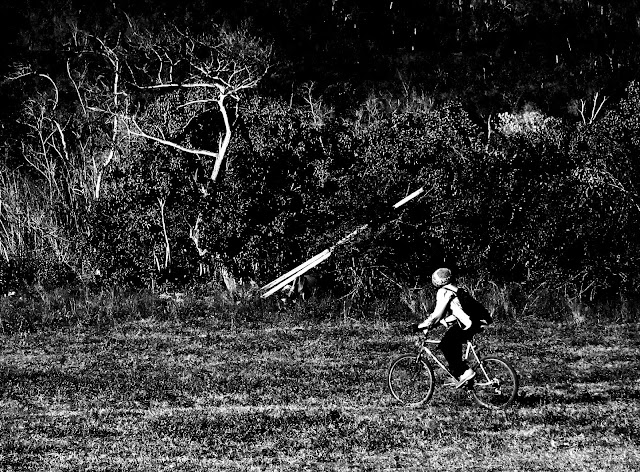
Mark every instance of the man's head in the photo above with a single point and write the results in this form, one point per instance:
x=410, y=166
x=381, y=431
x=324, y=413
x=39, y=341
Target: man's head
x=441, y=277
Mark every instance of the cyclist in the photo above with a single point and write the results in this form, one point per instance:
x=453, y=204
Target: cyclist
x=448, y=311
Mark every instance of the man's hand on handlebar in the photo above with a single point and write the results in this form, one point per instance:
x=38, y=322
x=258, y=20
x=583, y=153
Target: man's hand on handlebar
x=413, y=329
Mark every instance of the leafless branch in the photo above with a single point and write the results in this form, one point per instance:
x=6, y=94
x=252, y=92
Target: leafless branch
x=200, y=152
x=595, y=109
x=178, y=86
x=75, y=86
x=167, y=247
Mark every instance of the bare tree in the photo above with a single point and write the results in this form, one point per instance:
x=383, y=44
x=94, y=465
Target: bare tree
x=587, y=116
x=186, y=89
x=194, y=235
x=38, y=212
x=199, y=79
x=116, y=91
x=114, y=103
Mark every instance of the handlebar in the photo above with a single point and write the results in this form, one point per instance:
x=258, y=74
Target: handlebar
x=413, y=329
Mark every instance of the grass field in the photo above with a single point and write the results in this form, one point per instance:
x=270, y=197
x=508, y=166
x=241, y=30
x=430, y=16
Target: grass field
x=209, y=394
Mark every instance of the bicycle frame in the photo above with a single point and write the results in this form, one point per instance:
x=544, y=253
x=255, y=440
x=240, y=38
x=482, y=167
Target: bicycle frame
x=411, y=379
x=470, y=349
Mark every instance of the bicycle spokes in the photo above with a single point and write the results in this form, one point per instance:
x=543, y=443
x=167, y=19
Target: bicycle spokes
x=410, y=380
x=497, y=385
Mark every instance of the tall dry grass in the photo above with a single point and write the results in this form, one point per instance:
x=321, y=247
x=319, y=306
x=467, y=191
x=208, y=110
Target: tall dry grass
x=511, y=303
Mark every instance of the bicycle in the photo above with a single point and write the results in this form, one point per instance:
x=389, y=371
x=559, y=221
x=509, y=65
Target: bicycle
x=411, y=378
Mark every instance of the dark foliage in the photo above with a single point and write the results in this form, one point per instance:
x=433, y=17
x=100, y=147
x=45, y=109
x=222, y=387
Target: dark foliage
x=497, y=109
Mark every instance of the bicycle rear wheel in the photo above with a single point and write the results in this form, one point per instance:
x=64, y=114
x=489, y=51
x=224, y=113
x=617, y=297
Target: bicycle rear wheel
x=410, y=380
x=496, y=383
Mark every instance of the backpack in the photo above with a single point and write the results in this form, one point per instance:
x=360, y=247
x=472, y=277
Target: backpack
x=477, y=312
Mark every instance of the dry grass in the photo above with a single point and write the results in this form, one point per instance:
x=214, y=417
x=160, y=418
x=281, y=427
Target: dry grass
x=210, y=394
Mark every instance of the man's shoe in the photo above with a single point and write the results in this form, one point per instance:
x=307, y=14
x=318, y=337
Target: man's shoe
x=464, y=378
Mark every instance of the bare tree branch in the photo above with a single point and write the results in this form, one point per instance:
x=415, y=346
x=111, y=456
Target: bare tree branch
x=75, y=86
x=208, y=68
x=200, y=152
x=167, y=247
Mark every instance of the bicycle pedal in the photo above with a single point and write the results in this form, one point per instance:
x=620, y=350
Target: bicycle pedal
x=468, y=385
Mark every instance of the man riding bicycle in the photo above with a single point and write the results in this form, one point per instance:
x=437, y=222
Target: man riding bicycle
x=461, y=327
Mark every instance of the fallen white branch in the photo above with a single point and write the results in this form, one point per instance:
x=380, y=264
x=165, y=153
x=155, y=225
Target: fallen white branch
x=309, y=264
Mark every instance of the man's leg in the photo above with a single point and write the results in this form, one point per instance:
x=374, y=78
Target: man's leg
x=451, y=347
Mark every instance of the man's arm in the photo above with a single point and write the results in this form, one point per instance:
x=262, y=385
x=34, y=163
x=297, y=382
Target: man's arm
x=443, y=298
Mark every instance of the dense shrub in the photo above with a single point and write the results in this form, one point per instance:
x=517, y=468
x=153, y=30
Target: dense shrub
x=541, y=200
x=530, y=199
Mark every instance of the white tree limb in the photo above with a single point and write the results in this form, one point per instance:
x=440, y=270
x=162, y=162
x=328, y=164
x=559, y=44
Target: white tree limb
x=167, y=247
x=221, y=88
x=224, y=143
x=75, y=86
x=199, y=152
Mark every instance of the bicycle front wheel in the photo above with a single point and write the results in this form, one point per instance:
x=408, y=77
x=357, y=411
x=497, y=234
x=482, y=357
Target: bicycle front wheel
x=410, y=380
x=496, y=383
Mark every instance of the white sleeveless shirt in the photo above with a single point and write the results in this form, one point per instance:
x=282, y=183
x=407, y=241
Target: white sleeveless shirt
x=446, y=299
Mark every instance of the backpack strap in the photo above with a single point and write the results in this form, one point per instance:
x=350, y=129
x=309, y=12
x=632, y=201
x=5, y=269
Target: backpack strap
x=455, y=294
